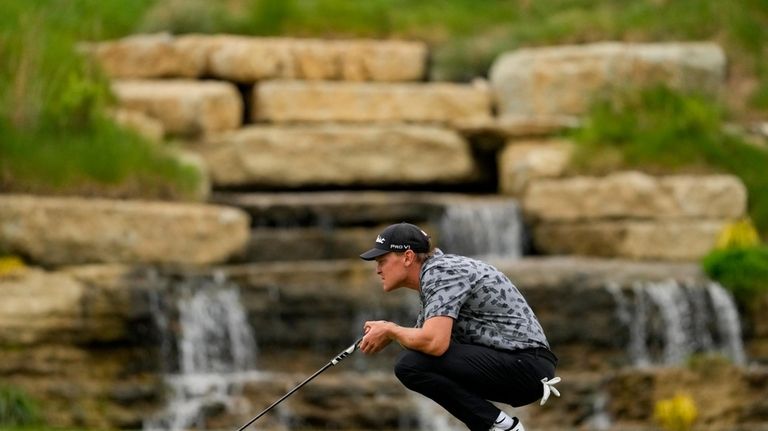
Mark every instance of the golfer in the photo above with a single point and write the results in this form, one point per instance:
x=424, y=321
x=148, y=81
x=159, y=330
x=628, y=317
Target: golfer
x=476, y=339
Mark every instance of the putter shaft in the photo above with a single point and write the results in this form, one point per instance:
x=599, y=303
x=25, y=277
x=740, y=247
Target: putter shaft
x=348, y=351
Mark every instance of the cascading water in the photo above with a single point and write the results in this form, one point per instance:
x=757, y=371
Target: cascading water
x=216, y=349
x=482, y=228
x=669, y=321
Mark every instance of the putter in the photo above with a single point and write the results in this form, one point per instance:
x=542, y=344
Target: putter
x=348, y=351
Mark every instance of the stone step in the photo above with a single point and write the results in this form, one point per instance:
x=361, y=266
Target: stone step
x=632, y=214
x=249, y=59
x=563, y=80
x=686, y=239
x=338, y=155
x=636, y=195
x=337, y=208
x=52, y=231
x=340, y=225
x=351, y=102
x=185, y=108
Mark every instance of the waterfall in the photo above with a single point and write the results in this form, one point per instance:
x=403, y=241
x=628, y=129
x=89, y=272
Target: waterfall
x=669, y=321
x=599, y=419
x=482, y=228
x=215, y=348
x=432, y=417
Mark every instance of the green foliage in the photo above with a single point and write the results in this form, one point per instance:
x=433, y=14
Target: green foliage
x=744, y=271
x=53, y=103
x=650, y=126
x=660, y=130
x=77, y=161
x=16, y=408
x=467, y=35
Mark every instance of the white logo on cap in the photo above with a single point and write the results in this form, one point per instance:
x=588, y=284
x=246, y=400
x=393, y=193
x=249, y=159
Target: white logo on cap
x=379, y=239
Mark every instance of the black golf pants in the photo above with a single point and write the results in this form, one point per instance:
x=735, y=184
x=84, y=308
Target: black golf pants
x=467, y=377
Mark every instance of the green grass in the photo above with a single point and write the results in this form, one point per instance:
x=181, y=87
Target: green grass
x=659, y=130
x=102, y=160
x=467, y=35
x=57, y=137
x=17, y=409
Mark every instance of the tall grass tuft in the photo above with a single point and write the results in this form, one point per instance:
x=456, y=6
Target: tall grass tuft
x=17, y=409
x=57, y=135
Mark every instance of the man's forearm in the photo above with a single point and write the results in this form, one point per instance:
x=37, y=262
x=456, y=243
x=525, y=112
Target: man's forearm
x=419, y=339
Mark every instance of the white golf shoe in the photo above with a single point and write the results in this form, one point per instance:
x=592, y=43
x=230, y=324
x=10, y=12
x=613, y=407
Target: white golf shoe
x=516, y=426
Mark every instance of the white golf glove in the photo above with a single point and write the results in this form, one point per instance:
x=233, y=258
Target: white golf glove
x=549, y=387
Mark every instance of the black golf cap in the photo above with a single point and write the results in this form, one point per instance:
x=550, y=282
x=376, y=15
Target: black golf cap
x=398, y=237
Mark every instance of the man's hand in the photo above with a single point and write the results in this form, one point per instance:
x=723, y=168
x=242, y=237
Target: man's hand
x=433, y=338
x=377, y=336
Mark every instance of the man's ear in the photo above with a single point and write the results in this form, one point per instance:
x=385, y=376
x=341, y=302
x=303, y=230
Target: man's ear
x=410, y=257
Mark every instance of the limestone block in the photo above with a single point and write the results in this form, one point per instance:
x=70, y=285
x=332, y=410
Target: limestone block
x=184, y=107
x=664, y=240
x=39, y=306
x=249, y=59
x=58, y=231
x=522, y=161
x=636, y=195
x=303, y=101
x=146, y=56
x=562, y=80
x=140, y=122
x=340, y=155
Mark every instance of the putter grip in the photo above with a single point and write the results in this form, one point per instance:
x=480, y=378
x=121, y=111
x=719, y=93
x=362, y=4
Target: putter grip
x=349, y=350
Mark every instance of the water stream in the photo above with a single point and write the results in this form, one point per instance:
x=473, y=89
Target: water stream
x=482, y=228
x=669, y=321
x=216, y=353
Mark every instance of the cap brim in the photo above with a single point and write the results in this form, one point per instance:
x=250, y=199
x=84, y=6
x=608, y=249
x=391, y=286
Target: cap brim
x=373, y=254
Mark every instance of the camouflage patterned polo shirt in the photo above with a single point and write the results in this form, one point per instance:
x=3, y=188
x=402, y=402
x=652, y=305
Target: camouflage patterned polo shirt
x=486, y=307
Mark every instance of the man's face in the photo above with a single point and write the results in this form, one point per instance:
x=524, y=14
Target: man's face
x=392, y=270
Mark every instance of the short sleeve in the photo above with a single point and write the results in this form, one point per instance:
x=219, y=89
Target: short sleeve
x=444, y=291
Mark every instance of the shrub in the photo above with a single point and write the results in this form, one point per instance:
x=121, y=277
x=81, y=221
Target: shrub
x=743, y=271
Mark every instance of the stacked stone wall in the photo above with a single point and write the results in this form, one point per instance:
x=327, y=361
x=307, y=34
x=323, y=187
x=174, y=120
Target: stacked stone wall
x=289, y=114
x=307, y=119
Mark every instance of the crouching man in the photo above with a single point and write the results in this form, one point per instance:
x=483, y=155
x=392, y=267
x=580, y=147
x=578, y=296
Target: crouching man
x=476, y=339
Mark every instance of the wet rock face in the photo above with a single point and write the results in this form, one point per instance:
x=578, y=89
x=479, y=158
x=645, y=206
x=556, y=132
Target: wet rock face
x=302, y=315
